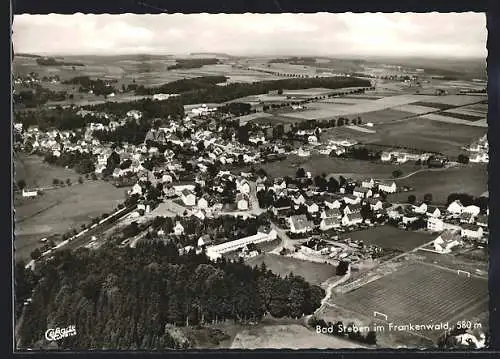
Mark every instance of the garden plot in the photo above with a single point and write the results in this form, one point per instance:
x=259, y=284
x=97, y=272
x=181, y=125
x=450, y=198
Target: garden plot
x=467, y=112
x=454, y=100
x=441, y=118
x=415, y=109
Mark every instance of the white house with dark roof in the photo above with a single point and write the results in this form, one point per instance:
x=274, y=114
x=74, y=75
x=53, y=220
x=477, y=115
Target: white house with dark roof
x=420, y=208
x=446, y=241
x=331, y=213
x=351, y=199
x=352, y=219
x=178, y=229
x=299, y=224
x=455, y=207
x=375, y=204
x=474, y=210
x=312, y=207
x=188, y=198
x=482, y=221
x=333, y=202
x=298, y=199
x=435, y=224
x=466, y=217
x=433, y=212
x=387, y=187
x=368, y=183
x=242, y=201
x=362, y=192
x=352, y=208
x=471, y=231
x=329, y=223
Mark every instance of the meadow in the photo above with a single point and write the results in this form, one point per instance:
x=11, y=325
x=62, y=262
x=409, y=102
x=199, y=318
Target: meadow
x=390, y=238
x=314, y=273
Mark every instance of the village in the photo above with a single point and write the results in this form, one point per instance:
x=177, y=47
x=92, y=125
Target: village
x=188, y=169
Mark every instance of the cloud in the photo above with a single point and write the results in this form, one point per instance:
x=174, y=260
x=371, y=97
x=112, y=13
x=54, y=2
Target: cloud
x=432, y=34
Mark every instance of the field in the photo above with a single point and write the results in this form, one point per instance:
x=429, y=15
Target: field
x=472, y=180
x=449, y=119
x=426, y=135
x=318, y=164
x=37, y=173
x=391, y=238
x=420, y=293
x=57, y=210
x=291, y=336
x=314, y=273
x=415, y=109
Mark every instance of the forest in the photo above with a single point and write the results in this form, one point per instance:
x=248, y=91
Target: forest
x=128, y=298
x=192, y=63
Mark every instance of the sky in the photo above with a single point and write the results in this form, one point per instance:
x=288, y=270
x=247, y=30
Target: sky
x=321, y=34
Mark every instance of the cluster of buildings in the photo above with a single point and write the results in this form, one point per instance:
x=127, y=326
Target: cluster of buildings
x=478, y=151
x=405, y=156
x=347, y=250
x=455, y=223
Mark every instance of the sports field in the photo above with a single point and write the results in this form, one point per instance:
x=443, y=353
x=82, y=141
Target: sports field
x=420, y=293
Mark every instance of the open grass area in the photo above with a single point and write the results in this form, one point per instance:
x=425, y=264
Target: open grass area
x=36, y=173
x=57, y=210
x=319, y=164
x=420, y=293
x=472, y=180
x=426, y=135
x=314, y=273
x=61, y=210
x=292, y=336
x=391, y=238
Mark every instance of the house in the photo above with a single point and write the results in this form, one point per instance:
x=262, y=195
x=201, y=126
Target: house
x=204, y=241
x=401, y=158
x=409, y=217
x=279, y=183
x=298, y=199
x=385, y=157
x=466, y=217
x=329, y=223
x=446, y=242
x=299, y=224
x=29, y=194
x=242, y=201
x=312, y=207
x=433, y=212
x=482, y=221
x=387, y=187
x=352, y=208
x=331, y=213
x=202, y=203
x=474, y=210
x=352, y=219
x=375, y=204
x=420, y=209
x=351, y=199
x=435, y=224
x=395, y=213
x=455, y=207
x=188, y=198
x=243, y=186
x=471, y=231
x=178, y=229
x=362, y=192
x=136, y=189
x=261, y=186
x=368, y=183
x=332, y=203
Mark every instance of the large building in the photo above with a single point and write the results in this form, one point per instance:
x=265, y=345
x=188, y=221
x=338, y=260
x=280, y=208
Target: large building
x=216, y=251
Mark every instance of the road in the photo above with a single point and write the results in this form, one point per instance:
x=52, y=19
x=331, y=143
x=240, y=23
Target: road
x=415, y=172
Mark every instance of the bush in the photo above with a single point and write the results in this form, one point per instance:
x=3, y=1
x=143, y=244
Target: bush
x=397, y=173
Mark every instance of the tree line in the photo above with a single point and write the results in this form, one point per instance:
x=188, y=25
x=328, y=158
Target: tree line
x=124, y=298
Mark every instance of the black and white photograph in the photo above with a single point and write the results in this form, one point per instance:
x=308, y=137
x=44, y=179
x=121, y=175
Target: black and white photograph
x=250, y=181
